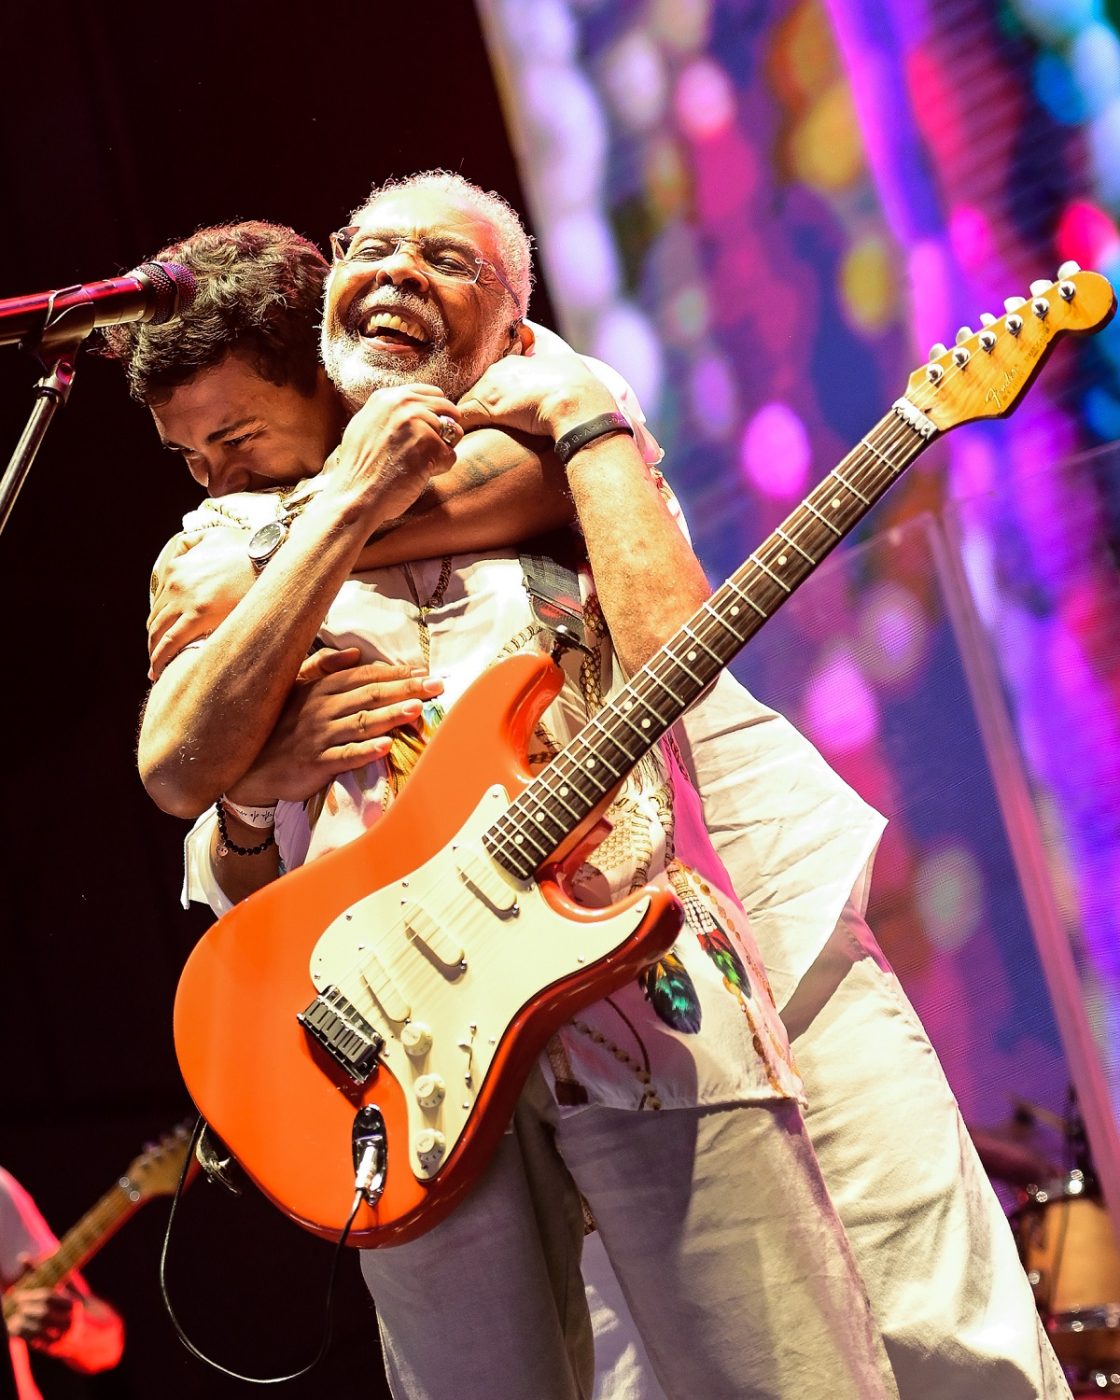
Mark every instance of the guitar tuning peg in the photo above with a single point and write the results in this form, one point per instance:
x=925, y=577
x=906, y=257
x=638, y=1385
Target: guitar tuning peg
x=1067, y=269
x=965, y=333
x=1040, y=287
x=936, y=351
x=1014, y=303
x=987, y=319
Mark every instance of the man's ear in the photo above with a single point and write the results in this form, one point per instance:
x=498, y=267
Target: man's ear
x=521, y=339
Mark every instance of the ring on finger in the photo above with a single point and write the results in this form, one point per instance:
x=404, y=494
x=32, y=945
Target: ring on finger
x=449, y=430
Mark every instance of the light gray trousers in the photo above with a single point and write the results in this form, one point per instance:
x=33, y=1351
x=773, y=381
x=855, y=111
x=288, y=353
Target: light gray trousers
x=734, y=1264
x=932, y=1245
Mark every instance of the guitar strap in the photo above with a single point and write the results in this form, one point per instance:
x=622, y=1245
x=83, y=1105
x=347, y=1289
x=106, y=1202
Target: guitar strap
x=550, y=562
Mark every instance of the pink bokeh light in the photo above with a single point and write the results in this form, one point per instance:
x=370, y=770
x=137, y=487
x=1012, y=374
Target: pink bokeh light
x=1086, y=234
x=704, y=99
x=840, y=712
x=715, y=402
x=775, y=452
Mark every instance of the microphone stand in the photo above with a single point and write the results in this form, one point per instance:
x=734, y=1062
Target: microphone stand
x=55, y=345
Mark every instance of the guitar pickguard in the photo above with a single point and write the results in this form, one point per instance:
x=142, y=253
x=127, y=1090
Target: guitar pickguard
x=441, y=964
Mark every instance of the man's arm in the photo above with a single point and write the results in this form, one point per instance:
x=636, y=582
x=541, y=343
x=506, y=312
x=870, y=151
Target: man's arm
x=209, y=714
x=339, y=716
x=503, y=489
x=647, y=577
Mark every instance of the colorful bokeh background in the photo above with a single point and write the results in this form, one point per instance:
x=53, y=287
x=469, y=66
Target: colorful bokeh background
x=764, y=214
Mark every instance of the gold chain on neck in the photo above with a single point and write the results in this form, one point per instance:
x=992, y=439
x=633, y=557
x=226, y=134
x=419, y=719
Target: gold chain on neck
x=425, y=608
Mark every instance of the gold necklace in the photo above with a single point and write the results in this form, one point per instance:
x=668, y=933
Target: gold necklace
x=423, y=609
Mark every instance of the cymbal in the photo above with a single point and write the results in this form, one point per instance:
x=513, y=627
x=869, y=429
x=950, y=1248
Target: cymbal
x=1006, y=1157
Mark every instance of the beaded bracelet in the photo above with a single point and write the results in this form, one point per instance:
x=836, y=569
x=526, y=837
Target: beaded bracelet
x=225, y=845
x=567, y=446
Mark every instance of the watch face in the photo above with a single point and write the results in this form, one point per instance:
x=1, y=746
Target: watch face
x=266, y=541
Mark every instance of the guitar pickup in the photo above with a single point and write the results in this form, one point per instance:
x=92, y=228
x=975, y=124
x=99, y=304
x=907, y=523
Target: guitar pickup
x=344, y=1033
x=483, y=876
x=429, y=931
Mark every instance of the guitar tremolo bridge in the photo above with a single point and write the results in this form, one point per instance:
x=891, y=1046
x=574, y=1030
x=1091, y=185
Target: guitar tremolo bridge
x=341, y=1029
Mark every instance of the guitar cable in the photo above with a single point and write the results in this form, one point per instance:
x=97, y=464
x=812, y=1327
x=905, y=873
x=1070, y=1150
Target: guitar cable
x=180, y=1332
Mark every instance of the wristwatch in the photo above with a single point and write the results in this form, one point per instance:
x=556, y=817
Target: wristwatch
x=265, y=542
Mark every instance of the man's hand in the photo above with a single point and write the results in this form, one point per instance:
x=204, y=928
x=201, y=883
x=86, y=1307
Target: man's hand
x=544, y=395
x=203, y=575
x=338, y=717
x=41, y=1316
x=391, y=448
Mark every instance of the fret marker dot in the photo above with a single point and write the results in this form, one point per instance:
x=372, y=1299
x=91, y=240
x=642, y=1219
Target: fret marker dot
x=541, y=814
x=692, y=655
x=518, y=839
x=645, y=724
x=835, y=502
x=564, y=790
x=735, y=610
x=591, y=763
x=782, y=560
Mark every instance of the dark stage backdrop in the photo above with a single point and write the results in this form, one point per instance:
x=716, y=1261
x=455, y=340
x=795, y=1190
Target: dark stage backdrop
x=124, y=127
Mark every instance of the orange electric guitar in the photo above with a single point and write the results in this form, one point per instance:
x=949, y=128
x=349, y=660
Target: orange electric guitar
x=379, y=1008
x=154, y=1173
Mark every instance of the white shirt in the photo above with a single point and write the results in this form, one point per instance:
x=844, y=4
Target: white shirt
x=619, y=1052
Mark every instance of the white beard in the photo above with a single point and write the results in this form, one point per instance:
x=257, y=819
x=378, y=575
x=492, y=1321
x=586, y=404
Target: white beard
x=357, y=369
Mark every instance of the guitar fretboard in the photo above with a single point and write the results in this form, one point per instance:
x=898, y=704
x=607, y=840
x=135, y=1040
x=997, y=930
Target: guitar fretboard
x=593, y=764
x=86, y=1237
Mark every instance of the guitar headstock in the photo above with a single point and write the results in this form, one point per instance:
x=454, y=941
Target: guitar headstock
x=987, y=370
x=156, y=1171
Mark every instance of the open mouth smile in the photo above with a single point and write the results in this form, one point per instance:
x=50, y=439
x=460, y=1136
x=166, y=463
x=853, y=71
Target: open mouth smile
x=389, y=330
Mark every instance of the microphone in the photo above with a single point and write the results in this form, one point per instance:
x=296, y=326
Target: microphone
x=154, y=292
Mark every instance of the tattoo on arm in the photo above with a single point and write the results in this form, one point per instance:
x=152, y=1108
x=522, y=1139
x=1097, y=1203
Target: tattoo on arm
x=469, y=473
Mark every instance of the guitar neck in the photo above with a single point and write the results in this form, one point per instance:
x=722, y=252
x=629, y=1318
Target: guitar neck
x=84, y=1240
x=608, y=747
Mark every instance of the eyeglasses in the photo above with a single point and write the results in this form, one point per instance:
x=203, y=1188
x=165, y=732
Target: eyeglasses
x=447, y=261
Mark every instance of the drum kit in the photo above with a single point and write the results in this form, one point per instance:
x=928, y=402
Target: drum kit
x=1066, y=1239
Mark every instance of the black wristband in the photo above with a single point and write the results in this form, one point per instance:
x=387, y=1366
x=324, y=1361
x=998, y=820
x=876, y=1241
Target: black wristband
x=568, y=445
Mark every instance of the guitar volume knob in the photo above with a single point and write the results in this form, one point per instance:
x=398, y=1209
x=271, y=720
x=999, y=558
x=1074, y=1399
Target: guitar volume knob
x=416, y=1037
x=430, y=1145
x=429, y=1090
